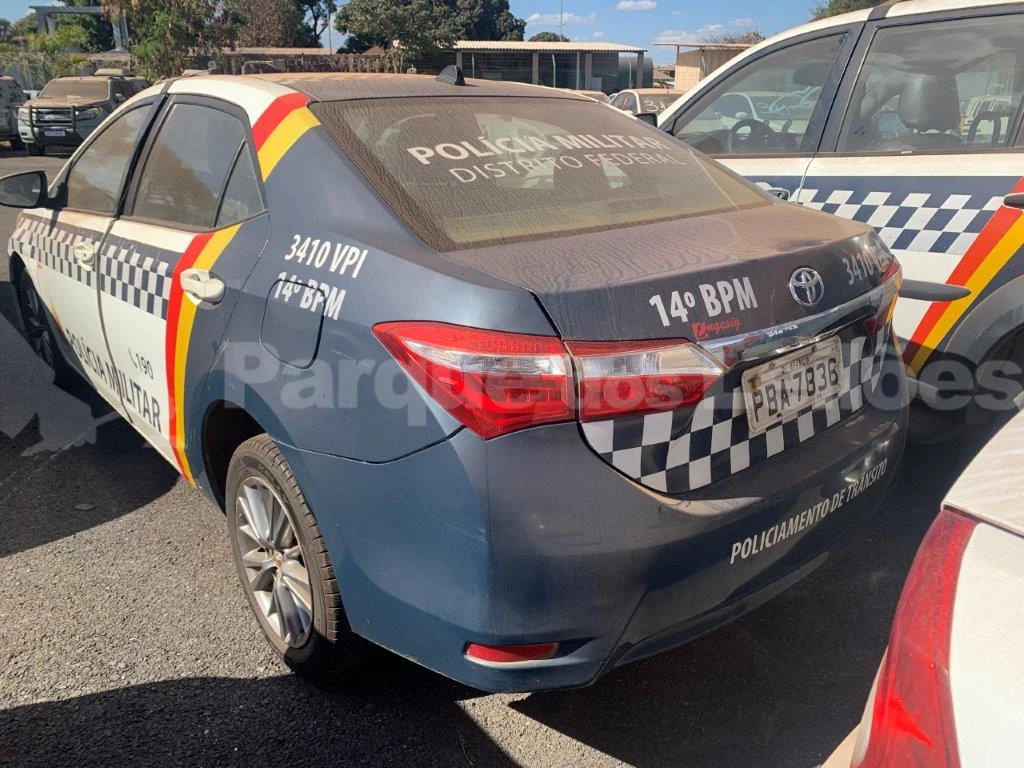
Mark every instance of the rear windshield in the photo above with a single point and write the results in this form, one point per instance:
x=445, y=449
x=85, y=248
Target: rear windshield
x=658, y=102
x=469, y=171
x=92, y=90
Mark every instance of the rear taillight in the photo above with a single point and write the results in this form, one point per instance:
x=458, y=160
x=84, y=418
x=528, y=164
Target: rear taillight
x=912, y=717
x=640, y=377
x=496, y=382
x=492, y=382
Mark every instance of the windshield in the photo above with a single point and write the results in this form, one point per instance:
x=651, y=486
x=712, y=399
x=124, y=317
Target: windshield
x=477, y=171
x=85, y=90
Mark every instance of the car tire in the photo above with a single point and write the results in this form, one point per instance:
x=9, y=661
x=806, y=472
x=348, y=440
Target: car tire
x=17, y=144
x=271, y=562
x=38, y=329
x=34, y=149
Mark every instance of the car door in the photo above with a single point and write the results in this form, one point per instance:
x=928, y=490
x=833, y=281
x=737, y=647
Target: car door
x=194, y=185
x=69, y=241
x=764, y=117
x=925, y=152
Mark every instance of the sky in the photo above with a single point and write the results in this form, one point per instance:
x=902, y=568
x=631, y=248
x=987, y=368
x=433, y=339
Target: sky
x=630, y=22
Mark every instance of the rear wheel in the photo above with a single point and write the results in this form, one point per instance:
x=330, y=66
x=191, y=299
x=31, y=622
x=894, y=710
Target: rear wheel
x=38, y=330
x=284, y=566
x=34, y=149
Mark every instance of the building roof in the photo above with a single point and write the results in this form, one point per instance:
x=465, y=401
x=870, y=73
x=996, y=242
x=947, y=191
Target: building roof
x=282, y=52
x=522, y=45
x=708, y=46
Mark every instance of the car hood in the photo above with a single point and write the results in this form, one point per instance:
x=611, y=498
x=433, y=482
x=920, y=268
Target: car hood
x=699, y=278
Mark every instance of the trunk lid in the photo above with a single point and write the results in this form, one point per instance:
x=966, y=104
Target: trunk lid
x=700, y=278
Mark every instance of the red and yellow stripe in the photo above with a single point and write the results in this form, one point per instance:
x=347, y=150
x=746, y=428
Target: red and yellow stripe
x=282, y=124
x=994, y=246
x=276, y=131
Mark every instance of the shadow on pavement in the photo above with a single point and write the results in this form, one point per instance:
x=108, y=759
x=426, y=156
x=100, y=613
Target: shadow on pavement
x=784, y=685
x=213, y=721
x=104, y=463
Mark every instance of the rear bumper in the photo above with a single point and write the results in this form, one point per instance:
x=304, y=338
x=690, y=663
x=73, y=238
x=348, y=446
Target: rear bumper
x=533, y=538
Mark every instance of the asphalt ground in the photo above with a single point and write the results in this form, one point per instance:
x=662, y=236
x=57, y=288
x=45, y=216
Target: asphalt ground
x=125, y=638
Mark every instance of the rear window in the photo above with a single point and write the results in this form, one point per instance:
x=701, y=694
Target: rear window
x=93, y=90
x=470, y=171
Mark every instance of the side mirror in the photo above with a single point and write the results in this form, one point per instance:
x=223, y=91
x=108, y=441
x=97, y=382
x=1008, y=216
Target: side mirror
x=651, y=118
x=1016, y=200
x=23, y=190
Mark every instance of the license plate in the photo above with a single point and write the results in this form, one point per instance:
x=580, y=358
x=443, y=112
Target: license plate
x=53, y=131
x=777, y=391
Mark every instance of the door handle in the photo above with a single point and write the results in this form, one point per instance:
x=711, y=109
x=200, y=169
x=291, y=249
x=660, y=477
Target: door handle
x=202, y=286
x=85, y=254
x=1015, y=200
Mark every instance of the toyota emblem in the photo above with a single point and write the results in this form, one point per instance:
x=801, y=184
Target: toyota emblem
x=806, y=287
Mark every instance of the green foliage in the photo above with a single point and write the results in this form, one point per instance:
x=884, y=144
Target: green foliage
x=424, y=26
x=421, y=26
x=486, y=20
x=68, y=37
x=549, y=37
x=835, y=7
x=169, y=36
x=750, y=37
x=24, y=26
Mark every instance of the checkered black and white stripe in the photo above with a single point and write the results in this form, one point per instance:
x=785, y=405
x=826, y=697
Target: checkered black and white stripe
x=672, y=453
x=137, y=274
x=35, y=239
x=140, y=279
x=936, y=222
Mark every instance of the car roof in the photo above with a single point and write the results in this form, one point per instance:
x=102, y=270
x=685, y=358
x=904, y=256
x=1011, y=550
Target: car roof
x=990, y=487
x=89, y=78
x=339, y=86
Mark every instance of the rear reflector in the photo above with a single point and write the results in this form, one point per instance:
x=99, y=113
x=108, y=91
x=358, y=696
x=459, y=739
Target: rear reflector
x=509, y=654
x=912, y=719
x=640, y=377
x=496, y=382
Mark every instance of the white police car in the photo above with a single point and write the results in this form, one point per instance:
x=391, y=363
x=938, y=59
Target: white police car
x=906, y=117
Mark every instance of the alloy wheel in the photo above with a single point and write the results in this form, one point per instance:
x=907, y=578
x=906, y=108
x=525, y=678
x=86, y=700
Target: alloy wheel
x=273, y=561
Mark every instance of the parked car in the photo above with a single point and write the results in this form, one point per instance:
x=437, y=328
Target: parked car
x=520, y=429
x=68, y=109
x=638, y=100
x=595, y=95
x=906, y=117
x=11, y=97
x=949, y=690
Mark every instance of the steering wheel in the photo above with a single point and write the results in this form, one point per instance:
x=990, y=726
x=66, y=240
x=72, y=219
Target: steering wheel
x=761, y=135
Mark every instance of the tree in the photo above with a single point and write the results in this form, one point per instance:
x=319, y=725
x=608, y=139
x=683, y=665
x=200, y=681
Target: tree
x=409, y=29
x=24, y=26
x=270, y=23
x=549, y=37
x=486, y=20
x=314, y=16
x=750, y=37
x=835, y=7
x=68, y=37
x=169, y=36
